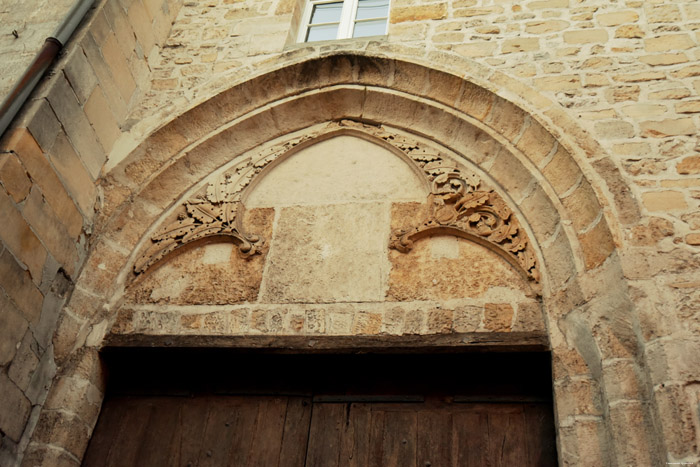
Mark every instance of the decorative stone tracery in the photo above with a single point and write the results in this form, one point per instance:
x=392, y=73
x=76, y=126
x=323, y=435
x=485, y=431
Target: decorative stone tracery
x=460, y=204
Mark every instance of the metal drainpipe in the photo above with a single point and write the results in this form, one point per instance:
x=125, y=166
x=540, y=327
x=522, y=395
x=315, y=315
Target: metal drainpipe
x=52, y=46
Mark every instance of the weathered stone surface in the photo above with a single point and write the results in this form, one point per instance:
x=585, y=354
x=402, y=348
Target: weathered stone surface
x=14, y=411
x=339, y=169
x=689, y=165
x=314, y=257
x=13, y=177
x=213, y=273
x=419, y=275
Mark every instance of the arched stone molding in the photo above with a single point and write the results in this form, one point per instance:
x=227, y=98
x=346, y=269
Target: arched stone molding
x=592, y=329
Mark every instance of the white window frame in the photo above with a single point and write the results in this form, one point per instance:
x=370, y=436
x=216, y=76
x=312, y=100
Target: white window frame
x=347, y=18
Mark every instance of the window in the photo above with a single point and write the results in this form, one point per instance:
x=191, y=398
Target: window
x=328, y=19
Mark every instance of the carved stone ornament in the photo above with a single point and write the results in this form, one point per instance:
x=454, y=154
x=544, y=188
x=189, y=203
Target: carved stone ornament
x=459, y=205
x=215, y=213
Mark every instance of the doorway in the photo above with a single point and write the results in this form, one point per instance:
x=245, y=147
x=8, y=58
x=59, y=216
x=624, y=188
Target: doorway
x=209, y=407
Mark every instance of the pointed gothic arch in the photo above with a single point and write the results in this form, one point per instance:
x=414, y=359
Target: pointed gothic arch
x=588, y=323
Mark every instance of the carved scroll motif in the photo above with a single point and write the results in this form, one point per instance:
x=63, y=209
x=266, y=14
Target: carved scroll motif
x=215, y=213
x=459, y=204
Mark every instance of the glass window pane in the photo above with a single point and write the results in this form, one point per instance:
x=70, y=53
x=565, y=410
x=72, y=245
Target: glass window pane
x=327, y=13
x=370, y=28
x=322, y=33
x=372, y=9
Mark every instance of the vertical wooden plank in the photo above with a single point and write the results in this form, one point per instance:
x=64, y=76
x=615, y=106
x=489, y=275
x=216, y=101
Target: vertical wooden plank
x=130, y=436
x=376, y=439
x=189, y=436
x=399, y=448
x=156, y=444
x=354, y=446
x=324, y=435
x=228, y=432
x=506, y=437
x=296, y=432
x=434, y=437
x=470, y=438
x=540, y=438
x=108, y=426
x=269, y=428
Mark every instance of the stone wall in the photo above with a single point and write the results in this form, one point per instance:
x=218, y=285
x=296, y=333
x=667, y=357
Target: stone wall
x=50, y=162
x=24, y=26
x=596, y=104
x=627, y=72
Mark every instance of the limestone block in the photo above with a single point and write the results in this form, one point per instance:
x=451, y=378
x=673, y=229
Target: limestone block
x=544, y=27
x=142, y=25
x=467, y=318
x=339, y=169
x=43, y=124
x=541, y=4
x=644, y=110
x=559, y=83
x=64, y=430
x=687, y=72
x=668, y=43
x=101, y=118
x=211, y=273
x=585, y=36
x=80, y=75
x=529, y=318
x=688, y=107
x=14, y=411
x=104, y=76
x=581, y=443
x=419, y=13
x=12, y=328
x=74, y=175
x=506, y=118
x=13, y=177
x=631, y=429
x=582, y=206
x=664, y=59
x=597, y=244
x=676, y=93
x=25, y=362
x=578, y=397
x=677, y=417
x=664, y=200
x=536, y=143
x=668, y=127
x=67, y=108
x=622, y=380
x=689, y=165
x=614, y=129
x=121, y=27
x=328, y=253
x=562, y=171
x=498, y=317
x=558, y=260
x=525, y=44
x=37, y=454
x=58, y=239
x=420, y=275
x=662, y=13
x=617, y=18
x=16, y=279
x=475, y=101
x=510, y=173
x=46, y=179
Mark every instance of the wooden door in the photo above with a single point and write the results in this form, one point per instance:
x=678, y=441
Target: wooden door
x=433, y=433
x=356, y=413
